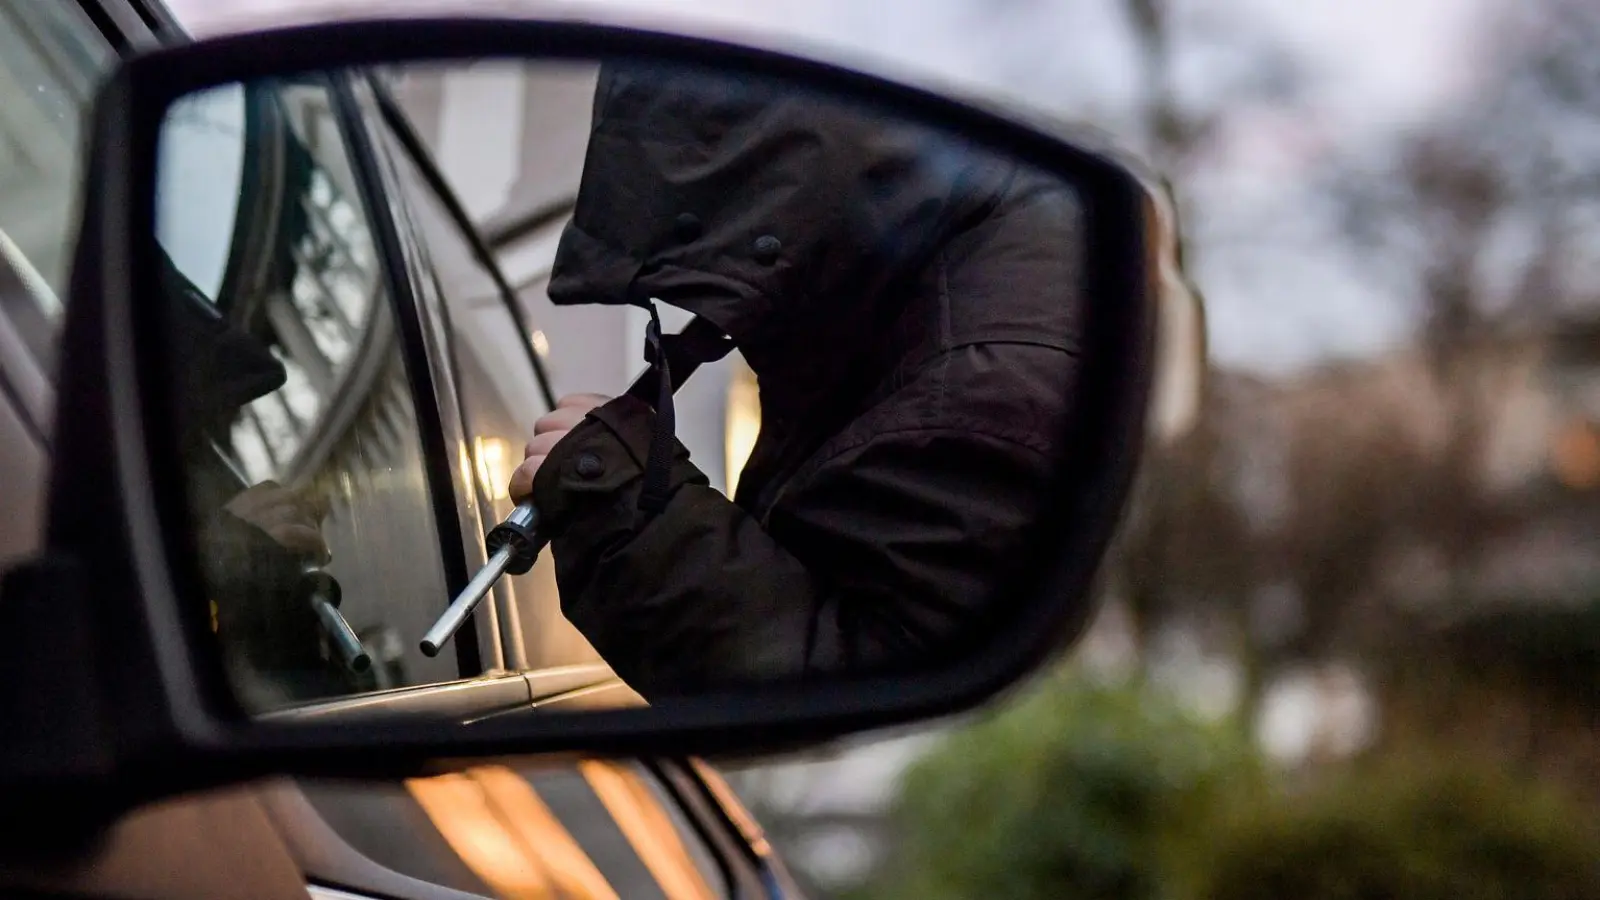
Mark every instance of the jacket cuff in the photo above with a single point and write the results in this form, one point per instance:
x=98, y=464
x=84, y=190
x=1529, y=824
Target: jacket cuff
x=601, y=463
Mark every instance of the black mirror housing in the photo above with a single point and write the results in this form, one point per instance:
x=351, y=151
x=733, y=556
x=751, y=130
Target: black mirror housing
x=115, y=692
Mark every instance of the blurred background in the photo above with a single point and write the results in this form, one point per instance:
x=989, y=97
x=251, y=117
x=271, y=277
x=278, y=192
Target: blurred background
x=1350, y=638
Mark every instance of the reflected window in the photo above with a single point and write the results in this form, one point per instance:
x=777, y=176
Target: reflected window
x=300, y=428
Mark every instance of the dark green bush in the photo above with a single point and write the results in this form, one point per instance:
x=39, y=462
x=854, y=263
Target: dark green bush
x=1422, y=828
x=1111, y=793
x=1072, y=792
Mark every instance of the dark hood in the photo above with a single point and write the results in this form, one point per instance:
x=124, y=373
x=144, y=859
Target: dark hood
x=787, y=219
x=216, y=368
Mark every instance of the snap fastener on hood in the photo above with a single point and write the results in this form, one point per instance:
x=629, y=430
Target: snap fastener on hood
x=687, y=226
x=767, y=249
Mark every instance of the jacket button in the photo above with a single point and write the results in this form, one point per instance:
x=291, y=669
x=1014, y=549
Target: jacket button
x=687, y=226
x=589, y=466
x=767, y=249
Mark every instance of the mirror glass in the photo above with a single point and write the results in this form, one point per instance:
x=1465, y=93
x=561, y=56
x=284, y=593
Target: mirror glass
x=883, y=329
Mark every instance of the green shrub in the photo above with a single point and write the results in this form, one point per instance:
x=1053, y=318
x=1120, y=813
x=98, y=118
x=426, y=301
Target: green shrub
x=1421, y=828
x=1072, y=792
x=1113, y=793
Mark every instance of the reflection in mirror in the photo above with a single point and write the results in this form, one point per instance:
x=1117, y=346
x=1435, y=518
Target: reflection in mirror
x=299, y=428
x=891, y=312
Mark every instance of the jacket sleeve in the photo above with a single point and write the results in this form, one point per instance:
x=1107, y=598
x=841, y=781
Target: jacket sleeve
x=884, y=558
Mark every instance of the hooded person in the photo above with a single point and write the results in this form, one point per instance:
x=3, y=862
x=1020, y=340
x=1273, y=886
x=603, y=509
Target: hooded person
x=910, y=307
x=254, y=539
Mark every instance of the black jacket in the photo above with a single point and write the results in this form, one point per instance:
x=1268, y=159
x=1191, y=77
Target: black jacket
x=910, y=306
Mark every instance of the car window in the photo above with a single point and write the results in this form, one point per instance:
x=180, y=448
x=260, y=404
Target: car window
x=500, y=400
x=51, y=57
x=203, y=161
x=302, y=439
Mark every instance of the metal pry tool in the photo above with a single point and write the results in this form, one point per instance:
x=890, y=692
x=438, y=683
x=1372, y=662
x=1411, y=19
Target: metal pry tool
x=514, y=544
x=320, y=590
x=513, y=547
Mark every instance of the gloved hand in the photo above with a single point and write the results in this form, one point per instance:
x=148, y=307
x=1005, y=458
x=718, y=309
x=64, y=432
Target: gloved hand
x=285, y=516
x=256, y=548
x=547, y=432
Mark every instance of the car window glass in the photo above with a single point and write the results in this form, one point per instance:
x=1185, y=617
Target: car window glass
x=51, y=57
x=300, y=429
x=500, y=401
x=203, y=156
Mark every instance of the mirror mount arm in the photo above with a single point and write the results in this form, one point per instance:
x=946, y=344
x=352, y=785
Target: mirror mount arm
x=58, y=749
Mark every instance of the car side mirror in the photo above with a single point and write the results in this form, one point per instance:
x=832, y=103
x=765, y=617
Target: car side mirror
x=952, y=317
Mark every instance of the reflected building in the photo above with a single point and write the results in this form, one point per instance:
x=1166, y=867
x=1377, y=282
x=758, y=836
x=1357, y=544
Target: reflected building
x=1515, y=429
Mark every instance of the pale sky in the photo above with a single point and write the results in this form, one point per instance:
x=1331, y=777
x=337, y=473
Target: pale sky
x=1276, y=299
x=1377, y=57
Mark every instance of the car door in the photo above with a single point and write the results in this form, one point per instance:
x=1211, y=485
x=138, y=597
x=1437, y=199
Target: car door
x=501, y=395
x=594, y=828
x=679, y=836
x=326, y=266
x=499, y=389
